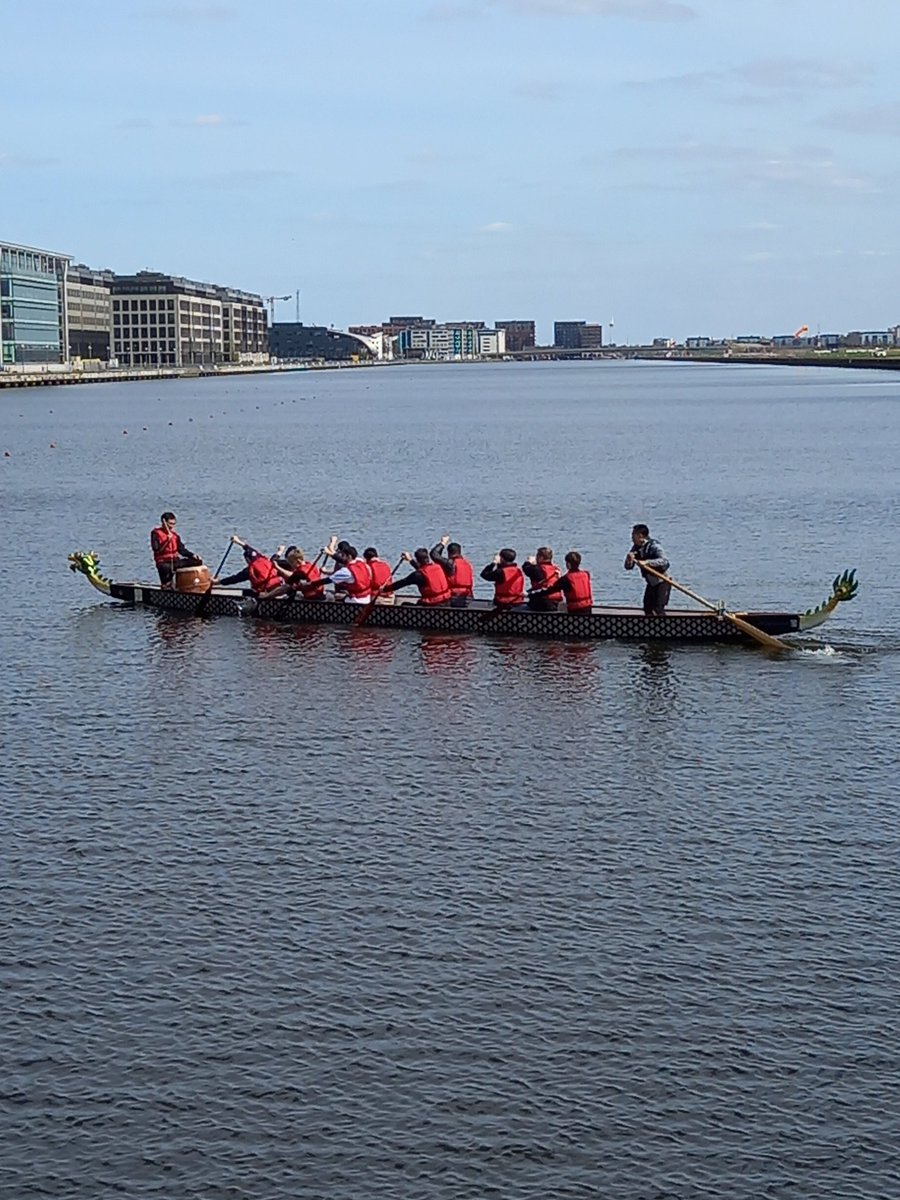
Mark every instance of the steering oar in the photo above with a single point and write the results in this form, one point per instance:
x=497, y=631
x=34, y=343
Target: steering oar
x=764, y=639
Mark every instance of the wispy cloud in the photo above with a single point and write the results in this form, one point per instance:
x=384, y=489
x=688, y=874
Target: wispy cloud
x=878, y=119
x=246, y=177
x=636, y=10
x=496, y=227
x=24, y=162
x=696, y=164
x=186, y=12
x=767, y=78
x=209, y=121
x=544, y=91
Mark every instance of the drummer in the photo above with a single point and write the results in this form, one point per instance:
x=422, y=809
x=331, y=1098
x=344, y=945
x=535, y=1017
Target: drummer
x=169, y=552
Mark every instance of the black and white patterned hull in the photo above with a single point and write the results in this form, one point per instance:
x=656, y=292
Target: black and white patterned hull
x=480, y=618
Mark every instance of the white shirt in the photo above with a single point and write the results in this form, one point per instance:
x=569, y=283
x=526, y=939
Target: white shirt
x=344, y=575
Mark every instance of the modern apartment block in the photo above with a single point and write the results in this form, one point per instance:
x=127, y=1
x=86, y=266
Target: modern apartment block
x=577, y=335
x=165, y=320
x=32, y=305
x=519, y=334
x=89, y=312
x=469, y=340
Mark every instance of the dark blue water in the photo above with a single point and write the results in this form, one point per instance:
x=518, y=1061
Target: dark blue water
x=349, y=913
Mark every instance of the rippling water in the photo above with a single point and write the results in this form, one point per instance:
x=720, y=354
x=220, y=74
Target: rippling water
x=351, y=913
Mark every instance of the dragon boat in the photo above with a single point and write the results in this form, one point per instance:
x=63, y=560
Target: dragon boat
x=602, y=623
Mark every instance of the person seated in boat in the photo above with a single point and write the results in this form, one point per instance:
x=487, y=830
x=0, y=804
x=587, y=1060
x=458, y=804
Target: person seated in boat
x=299, y=576
x=645, y=549
x=169, y=552
x=459, y=572
x=260, y=572
x=506, y=575
x=380, y=570
x=542, y=572
x=351, y=577
x=575, y=586
x=429, y=577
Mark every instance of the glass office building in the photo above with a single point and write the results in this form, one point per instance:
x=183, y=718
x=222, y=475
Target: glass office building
x=32, y=305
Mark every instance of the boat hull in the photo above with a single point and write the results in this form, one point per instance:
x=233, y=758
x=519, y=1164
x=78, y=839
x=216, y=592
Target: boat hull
x=480, y=618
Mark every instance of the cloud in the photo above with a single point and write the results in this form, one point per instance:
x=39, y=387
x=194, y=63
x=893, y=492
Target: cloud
x=24, y=162
x=246, y=177
x=809, y=168
x=637, y=10
x=544, y=91
x=878, y=119
x=187, y=12
x=496, y=227
x=768, y=77
x=209, y=121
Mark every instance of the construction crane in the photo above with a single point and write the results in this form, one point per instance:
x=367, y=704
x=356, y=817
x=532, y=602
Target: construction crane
x=270, y=300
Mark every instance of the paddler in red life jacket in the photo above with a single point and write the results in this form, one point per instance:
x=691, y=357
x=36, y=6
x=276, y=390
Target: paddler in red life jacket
x=429, y=577
x=298, y=575
x=351, y=577
x=381, y=576
x=542, y=572
x=575, y=585
x=507, y=578
x=458, y=570
x=169, y=551
x=260, y=572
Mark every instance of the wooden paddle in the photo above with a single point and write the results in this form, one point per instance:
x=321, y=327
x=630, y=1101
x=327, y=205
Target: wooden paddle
x=201, y=608
x=366, y=612
x=764, y=639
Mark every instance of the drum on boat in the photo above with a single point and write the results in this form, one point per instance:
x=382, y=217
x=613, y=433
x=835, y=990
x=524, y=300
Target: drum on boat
x=192, y=579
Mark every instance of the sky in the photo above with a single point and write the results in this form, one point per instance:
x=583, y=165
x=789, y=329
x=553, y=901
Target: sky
x=668, y=168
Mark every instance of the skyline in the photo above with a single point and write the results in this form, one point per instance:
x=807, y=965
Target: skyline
x=645, y=162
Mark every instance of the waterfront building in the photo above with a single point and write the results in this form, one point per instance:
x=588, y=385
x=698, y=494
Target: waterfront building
x=89, y=312
x=32, y=305
x=567, y=334
x=698, y=343
x=245, y=326
x=165, y=320
x=520, y=335
x=591, y=336
x=869, y=337
x=453, y=340
x=491, y=342
x=577, y=335
x=293, y=341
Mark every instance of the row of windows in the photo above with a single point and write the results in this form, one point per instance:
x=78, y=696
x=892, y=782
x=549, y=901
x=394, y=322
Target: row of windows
x=143, y=305
x=28, y=260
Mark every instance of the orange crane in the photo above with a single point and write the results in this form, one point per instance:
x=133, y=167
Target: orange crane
x=270, y=300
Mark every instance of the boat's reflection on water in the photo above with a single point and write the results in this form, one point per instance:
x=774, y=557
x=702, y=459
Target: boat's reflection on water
x=447, y=654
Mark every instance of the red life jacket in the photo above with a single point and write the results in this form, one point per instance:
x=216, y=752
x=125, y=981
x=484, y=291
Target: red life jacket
x=511, y=589
x=380, y=572
x=263, y=575
x=462, y=580
x=308, y=572
x=550, y=572
x=361, y=587
x=434, y=589
x=167, y=542
x=579, y=597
